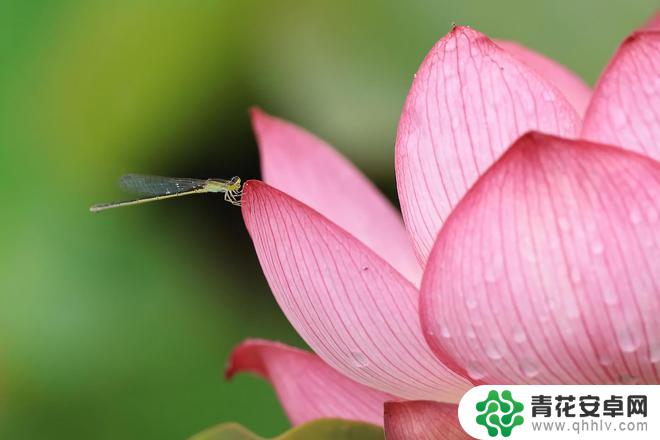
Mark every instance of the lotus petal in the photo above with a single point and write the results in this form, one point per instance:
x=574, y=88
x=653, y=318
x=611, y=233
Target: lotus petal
x=310, y=170
x=307, y=387
x=469, y=102
x=548, y=271
x=351, y=307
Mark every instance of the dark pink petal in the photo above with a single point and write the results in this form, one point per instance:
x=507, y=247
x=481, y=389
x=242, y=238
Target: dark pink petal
x=307, y=387
x=308, y=169
x=571, y=85
x=422, y=420
x=548, y=271
x=354, y=310
x=625, y=108
x=469, y=101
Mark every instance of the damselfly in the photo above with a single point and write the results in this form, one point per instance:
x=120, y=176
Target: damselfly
x=153, y=188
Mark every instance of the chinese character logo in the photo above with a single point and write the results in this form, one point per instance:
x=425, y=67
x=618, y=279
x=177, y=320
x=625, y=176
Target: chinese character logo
x=499, y=415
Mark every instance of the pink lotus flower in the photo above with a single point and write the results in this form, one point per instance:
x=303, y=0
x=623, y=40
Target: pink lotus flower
x=530, y=252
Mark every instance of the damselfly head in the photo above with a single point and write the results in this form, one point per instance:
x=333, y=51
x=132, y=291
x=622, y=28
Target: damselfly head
x=234, y=184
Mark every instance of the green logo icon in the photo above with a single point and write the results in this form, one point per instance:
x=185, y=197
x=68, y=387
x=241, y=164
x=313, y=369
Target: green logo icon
x=499, y=415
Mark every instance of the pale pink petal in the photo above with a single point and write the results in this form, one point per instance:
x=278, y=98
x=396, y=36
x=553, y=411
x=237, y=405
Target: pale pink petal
x=570, y=84
x=354, y=310
x=422, y=420
x=310, y=170
x=469, y=101
x=625, y=108
x=549, y=269
x=307, y=387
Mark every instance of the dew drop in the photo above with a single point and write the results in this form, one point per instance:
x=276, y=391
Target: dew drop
x=626, y=379
x=471, y=302
x=528, y=250
x=627, y=341
x=597, y=247
x=529, y=368
x=572, y=309
x=490, y=275
x=563, y=223
x=605, y=359
x=618, y=116
x=475, y=370
x=652, y=214
x=635, y=216
x=654, y=354
x=519, y=335
x=548, y=96
x=493, y=350
x=609, y=296
x=359, y=360
x=576, y=277
x=444, y=331
x=470, y=333
x=450, y=45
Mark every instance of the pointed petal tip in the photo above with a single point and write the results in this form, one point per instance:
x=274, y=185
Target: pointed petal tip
x=469, y=101
x=258, y=117
x=310, y=170
x=307, y=387
x=240, y=359
x=621, y=109
x=641, y=34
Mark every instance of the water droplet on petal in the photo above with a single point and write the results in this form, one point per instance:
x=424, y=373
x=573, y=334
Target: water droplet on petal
x=494, y=349
x=519, y=335
x=652, y=214
x=490, y=274
x=563, y=223
x=635, y=216
x=654, y=354
x=358, y=359
x=475, y=370
x=450, y=45
x=471, y=302
x=609, y=296
x=618, y=116
x=628, y=343
x=576, y=277
x=444, y=331
x=571, y=308
x=626, y=379
x=605, y=359
x=548, y=96
x=597, y=247
x=529, y=368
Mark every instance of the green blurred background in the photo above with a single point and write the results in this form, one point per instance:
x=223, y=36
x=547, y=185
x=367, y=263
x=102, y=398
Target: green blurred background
x=118, y=325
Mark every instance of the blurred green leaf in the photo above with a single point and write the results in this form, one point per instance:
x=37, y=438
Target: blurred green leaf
x=321, y=429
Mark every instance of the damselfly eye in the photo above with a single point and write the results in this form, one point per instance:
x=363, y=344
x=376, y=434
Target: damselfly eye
x=235, y=181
